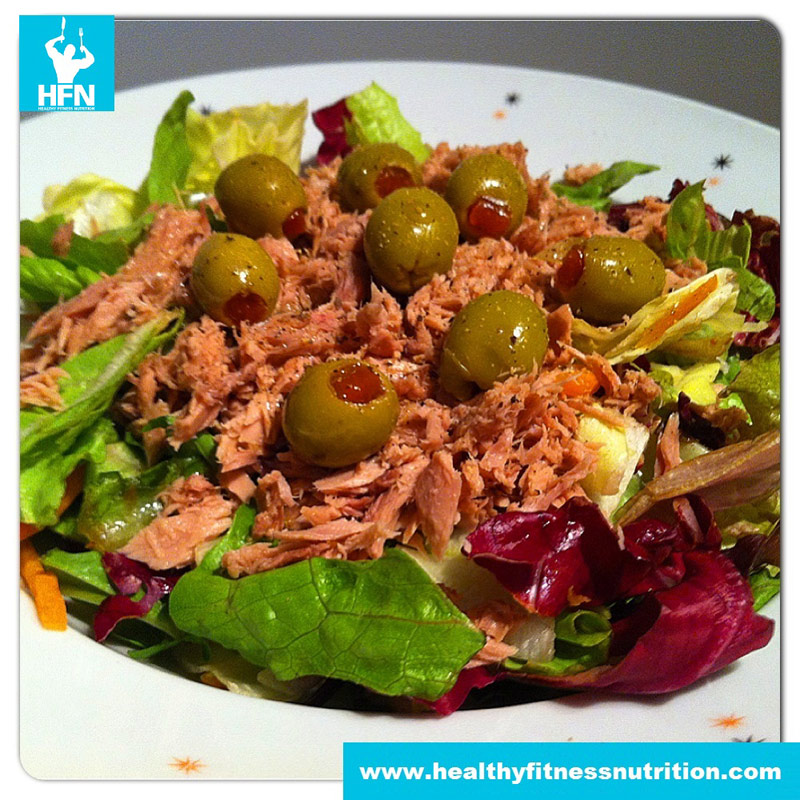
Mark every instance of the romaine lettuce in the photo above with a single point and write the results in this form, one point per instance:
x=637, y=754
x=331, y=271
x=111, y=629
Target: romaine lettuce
x=758, y=384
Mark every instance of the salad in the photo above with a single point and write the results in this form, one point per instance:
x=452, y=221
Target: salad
x=400, y=424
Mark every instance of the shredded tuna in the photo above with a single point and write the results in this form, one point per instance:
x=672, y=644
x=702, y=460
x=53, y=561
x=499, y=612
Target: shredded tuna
x=153, y=279
x=42, y=389
x=437, y=494
x=194, y=512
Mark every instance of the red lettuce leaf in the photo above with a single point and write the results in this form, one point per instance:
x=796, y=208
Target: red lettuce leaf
x=130, y=577
x=570, y=556
x=550, y=560
x=702, y=624
x=330, y=121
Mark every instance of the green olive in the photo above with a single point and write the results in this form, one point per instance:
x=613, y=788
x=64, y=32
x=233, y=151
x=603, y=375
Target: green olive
x=234, y=279
x=373, y=172
x=489, y=196
x=493, y=337
x=605, y=278
x=339, y=413
x=260, y=195
x=410, y=237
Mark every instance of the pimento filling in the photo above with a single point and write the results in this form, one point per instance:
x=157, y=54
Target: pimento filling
x=356, y=383
x=488, y=216
x=246, y=307
x=391, y=178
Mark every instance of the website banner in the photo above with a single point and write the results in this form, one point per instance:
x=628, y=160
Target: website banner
x=569, y=770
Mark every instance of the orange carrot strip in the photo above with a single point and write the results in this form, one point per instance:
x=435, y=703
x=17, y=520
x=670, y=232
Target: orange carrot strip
x=678, y=311
x=43, y=586
x=50, y=605
x=26, y=530
x=29, y=563
x=581, y=383
x=73, y=487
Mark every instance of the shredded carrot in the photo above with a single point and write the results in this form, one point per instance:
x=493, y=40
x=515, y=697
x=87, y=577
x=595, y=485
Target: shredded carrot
x=581, y=383
x=73, y=488
x=43, y=586
x=678, y=311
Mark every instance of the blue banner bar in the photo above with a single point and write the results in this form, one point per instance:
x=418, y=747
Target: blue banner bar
x=571, y=771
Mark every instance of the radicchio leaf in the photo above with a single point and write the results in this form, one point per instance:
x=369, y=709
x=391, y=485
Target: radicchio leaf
x=700, y=626
x=698, y=427
x=550, y=560
x=330, y=120
x=130, y=577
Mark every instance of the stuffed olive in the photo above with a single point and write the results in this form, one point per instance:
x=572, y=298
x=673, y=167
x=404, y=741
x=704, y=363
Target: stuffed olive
x=410, y=237
x=339, y=413
x=373, y=172
x=234, y=279
x=489, y=196
x=260, y=195
x=495, y=336
x=605, y=278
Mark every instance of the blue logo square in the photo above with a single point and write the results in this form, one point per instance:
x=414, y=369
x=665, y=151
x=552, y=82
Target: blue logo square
x=66, y=63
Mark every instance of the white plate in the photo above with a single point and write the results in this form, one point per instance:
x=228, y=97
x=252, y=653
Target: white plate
x=88, y=712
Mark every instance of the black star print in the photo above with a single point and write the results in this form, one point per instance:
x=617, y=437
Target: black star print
x=512, y=98
x=722, y=162
x=205, y=110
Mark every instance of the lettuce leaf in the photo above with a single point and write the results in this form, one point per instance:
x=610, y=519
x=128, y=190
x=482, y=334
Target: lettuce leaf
x=46, y=281
x=236, y=536
x=219, y=138
x=621, y=448
x=765, y=584
x=696, y=382
x=583, y=639
x=171, y=157
x=376, y=117
x=689, y=234
x=367, y=117
x=383, y=624
x=93, y=204
x=597, y=191
x=52, y=442
x=758, y=384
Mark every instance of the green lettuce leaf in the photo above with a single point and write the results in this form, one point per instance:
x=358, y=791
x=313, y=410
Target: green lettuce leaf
x=236, y=536
x=383, y=624
x=696, y=382
x=172, y=155
x=689, y=234
x=219, y=138
x=759, y=517
x=53, y=443
x=583, y=638
x=46, y=281
x=105, y=254
x=93, y=204
x=120, y=497
x=758, y=384
x=765, y=584
x=377, y=118
x=597, y=191
x=43, y=477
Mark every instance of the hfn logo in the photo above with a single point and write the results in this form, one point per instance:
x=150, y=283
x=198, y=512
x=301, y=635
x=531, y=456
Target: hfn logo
x=84, y=77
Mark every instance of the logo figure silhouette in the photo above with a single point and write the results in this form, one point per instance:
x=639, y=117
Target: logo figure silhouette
x=65, y=65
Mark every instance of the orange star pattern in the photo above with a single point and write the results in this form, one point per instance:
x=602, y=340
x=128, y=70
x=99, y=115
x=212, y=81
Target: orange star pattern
x=730, y=721
x=187, y=765
x=499, y=114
